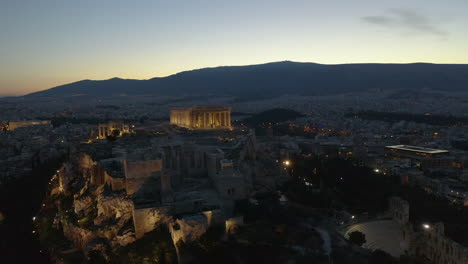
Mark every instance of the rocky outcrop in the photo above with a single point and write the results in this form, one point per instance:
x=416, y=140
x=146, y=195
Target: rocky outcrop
x=113, y=208
x=97, y=218
x=126, y=238
x=83, y=206
x=74, y=175
x=81, y=238
x=189, y=228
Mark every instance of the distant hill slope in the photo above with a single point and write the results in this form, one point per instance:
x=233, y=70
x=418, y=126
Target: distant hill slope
x=279, y=78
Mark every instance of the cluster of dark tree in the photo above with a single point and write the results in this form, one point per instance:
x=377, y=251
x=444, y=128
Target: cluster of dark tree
x=336, y=183
x=20, y=200
x=357, y=238
x=276, y=115
x=339, y=183
x=268, y=208
x=437, y=120
x=270, y=230
x=426, y=207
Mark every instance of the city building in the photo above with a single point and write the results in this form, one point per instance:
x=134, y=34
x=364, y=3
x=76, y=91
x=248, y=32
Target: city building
x=427, y=158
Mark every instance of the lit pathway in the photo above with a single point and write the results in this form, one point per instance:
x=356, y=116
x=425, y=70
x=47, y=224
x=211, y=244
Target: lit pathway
x=382, y=234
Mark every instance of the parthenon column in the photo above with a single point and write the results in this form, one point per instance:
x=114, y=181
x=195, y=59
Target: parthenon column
x=202, y=120
x=210, y=118
x=226, y=119
x=205, y=120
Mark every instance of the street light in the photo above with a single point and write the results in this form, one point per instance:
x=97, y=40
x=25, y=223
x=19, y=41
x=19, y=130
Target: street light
x=426, y=226
x=287, y=162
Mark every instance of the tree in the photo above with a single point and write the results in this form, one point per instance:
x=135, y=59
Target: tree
x=407, y=259
x=357, y=238
x=95, y=256
x=382, y=257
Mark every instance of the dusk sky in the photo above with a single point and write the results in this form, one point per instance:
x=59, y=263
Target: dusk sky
x=45, y=43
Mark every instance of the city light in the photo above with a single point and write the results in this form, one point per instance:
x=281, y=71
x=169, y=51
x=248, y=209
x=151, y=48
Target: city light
x=426, y=226
x=287, y=162
x=376, y=170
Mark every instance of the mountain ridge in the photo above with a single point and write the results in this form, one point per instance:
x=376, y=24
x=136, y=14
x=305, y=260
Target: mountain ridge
x=278, y=78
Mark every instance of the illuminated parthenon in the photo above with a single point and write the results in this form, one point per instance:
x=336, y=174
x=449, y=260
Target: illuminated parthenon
x=202, y=117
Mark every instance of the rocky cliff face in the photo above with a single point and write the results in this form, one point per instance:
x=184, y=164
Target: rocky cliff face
x=96, y=219
x=92, y=217
x=189, y=229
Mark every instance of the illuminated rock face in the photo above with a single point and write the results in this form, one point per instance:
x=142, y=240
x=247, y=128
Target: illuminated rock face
x=202, y=117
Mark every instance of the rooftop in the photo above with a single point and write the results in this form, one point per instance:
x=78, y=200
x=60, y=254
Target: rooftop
x=418, y=149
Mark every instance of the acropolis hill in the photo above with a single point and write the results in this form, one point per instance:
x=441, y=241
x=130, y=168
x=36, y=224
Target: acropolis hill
x=188, y=184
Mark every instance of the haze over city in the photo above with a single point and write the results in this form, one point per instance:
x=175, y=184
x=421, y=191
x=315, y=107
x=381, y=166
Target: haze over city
x=49, y=43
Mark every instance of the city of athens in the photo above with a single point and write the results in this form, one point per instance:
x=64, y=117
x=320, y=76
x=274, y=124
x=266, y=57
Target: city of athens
x=233, y=132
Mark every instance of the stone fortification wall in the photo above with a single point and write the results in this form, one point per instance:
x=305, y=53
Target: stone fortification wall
x=427, y=240
x=138, y=172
